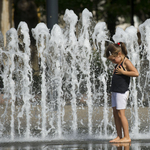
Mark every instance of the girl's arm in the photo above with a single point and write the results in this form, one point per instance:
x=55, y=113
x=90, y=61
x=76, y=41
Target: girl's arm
x=130, y=69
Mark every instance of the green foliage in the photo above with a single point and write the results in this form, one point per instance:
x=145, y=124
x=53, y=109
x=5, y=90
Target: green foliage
x=40, y=3
x=106, y=10
x=142, y=9
x=76, y=5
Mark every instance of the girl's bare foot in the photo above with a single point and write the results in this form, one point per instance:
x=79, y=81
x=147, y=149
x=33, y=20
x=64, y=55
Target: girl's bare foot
x=124, y=140
x=114, y=140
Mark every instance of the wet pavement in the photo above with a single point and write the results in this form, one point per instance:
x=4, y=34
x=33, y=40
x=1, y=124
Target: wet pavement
x=76, y=145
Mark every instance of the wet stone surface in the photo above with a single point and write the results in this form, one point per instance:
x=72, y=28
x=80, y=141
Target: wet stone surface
x=76, y=145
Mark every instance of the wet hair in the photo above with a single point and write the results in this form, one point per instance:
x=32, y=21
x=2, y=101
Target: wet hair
x=114, y=49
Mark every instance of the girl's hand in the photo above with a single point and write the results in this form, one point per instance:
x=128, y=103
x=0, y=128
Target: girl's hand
x=119, y=70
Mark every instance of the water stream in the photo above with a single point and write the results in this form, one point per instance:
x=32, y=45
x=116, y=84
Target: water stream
x=72, y=99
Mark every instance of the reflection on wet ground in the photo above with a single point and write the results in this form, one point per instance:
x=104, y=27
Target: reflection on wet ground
x=76, y=145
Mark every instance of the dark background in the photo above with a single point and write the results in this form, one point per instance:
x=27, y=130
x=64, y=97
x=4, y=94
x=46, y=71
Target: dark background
x=108, y=11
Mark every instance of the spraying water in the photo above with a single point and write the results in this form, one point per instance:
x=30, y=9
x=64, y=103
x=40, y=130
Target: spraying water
x=8, y=74
x=72, y=98
x=72, y=49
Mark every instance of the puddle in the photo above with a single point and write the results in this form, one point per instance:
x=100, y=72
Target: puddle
x=76, y=145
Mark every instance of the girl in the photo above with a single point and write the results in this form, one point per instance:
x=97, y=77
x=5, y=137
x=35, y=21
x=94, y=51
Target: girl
x=124, y=69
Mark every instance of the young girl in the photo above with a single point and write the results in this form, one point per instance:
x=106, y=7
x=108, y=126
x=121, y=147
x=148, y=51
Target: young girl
x=124, y=69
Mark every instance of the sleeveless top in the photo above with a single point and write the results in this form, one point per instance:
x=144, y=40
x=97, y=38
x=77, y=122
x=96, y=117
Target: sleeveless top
x=120, y=83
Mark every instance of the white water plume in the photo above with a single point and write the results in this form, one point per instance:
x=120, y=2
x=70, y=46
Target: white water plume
x=71, y=99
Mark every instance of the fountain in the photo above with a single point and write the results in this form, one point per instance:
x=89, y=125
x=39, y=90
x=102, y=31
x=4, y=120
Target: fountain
x=73, y=101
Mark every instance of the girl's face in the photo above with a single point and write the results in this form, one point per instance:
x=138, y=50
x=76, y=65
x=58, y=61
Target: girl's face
x=115, y=59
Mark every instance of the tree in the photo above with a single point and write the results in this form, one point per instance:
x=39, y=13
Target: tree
x=76, y=5
x=141, y=9
x=6, y=16
x=105, y=10
x=111, y=10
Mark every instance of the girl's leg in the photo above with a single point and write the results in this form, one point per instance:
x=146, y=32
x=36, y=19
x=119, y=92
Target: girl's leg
x=118, y=125
x=125, y=126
